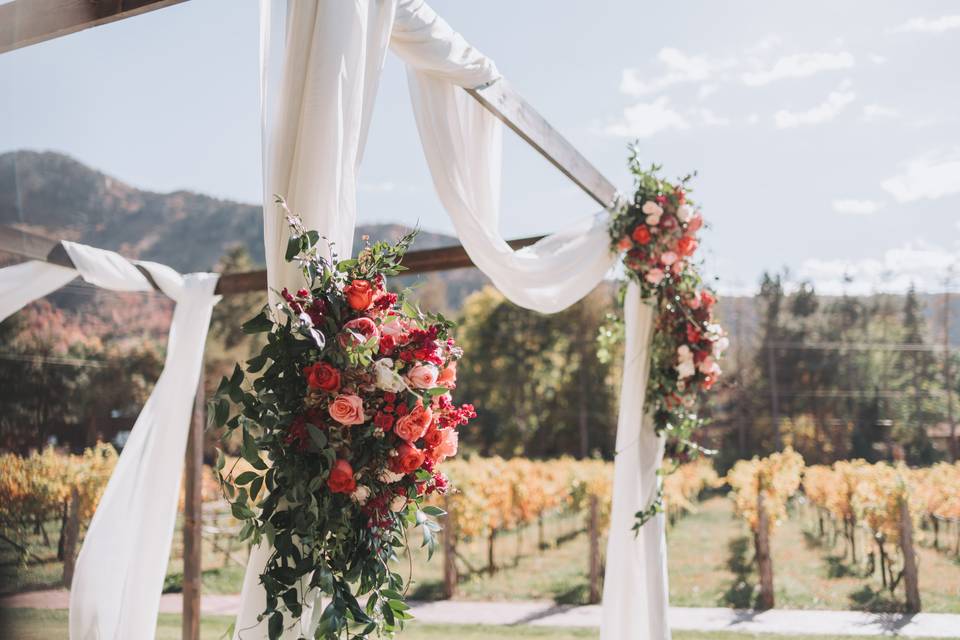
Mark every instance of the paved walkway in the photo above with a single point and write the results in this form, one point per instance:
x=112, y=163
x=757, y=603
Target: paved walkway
x=548, y=614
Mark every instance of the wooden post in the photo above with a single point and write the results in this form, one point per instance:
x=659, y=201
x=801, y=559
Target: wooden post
x=491, y=566
x=71, y=534
x=594, y=532
x=192, y=519
x=449, y=553
x=764, y=563
x=911, y=580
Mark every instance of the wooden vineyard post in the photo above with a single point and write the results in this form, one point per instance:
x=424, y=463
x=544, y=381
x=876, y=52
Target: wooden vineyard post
x=71, y=533
x=449, y=553
x=594, y=532
x=911, y=580
x=491, y=566
x=192, y=519
x=764, y=563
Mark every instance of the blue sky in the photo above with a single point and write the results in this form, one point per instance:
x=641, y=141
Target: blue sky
x=826, y=137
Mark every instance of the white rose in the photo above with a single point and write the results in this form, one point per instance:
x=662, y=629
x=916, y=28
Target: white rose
x=686, y=369
x=389, y=477
x=653, y=220
x=386, y=378
x=361, y=494
x=683, y=213
x=720, y=346
x=684, y=353
x=651, y=208
x=398, y=503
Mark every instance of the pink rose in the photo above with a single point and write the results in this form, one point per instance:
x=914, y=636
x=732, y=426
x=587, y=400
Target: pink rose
x=423, y=376
x=448, y=377
x=396, y=329
x=359, y=326
x=695, y=223
x=654, y=276
x=668, y=258
x=347, y=409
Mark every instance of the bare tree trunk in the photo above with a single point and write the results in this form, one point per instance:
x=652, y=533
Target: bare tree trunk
x=71, y=534
x=192, y=519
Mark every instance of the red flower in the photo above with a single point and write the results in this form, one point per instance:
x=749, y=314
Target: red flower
x=707, y=299
x=383, y=421
x=297, y=433
x=693, y=336
x=686, y=246
x=359, y=294
x=641, y=234
x=322, y=376
x=341, y=478
x=408, y=459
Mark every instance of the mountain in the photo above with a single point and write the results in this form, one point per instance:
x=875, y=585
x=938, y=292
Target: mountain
x=57, y=196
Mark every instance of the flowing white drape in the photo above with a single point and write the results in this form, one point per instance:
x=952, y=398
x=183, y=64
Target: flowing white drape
x=313, y=142
x=119, y=574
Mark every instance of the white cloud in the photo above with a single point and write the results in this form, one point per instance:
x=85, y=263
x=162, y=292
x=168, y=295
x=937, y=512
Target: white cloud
x=928, y=25
x=800, y=65
x=876, y=58
x=925, y=178
x=707, y=90
x=765, y=44
x=642, y=120
x=753, y=118
x=875, y=112
x=835, y=103
x=856, y=207
x=680, y=68
x=895, y=270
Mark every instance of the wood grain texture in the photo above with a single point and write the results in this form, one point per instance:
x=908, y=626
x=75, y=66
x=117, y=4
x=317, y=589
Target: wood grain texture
x=27, y=22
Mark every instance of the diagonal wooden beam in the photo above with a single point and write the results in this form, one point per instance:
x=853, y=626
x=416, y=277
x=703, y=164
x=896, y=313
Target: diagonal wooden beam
x=501, y=99
x=26, y=22
x=36, y=247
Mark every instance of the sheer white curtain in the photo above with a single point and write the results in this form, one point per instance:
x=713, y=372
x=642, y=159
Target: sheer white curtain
x=313, y=143
x=120, y=570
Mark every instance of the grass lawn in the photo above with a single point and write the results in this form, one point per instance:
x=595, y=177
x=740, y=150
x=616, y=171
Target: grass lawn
x=35, y=624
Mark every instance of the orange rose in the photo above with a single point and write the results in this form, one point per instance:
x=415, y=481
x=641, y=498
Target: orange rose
x=322, y=376
x=412, y=426
x=347, y=409
x=341, y=478
x=686, y=246
x=408, y=459
x=641, y=234
x=359, y=294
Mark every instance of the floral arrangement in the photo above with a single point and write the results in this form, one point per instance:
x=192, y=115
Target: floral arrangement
x=345, y=422
x=656, y=235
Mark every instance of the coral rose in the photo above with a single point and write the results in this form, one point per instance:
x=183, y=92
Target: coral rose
x=448, y=377
x=423, y=376
x=686, y=246
x=641, y=234
x=341, y=478
x=668, y=258
x=322, y=376
x=651, y=208
x=359, y=294
x=433, y=437
x=448, y=445
x=408, y=459
x=695, y=223
x=347, y=409
x=412, y=426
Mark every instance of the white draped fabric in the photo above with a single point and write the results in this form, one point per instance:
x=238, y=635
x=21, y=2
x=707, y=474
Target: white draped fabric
x=120, y=570
x=314, y=128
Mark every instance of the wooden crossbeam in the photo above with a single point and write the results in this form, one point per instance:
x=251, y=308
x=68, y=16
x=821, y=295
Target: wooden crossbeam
x=36, y=247
x=26, y=22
